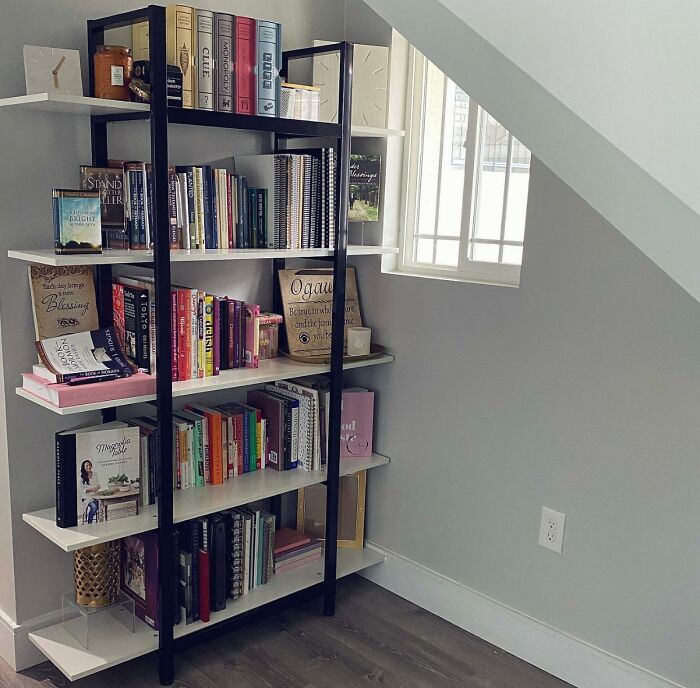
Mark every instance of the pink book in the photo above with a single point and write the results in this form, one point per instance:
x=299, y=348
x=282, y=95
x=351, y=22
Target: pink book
x=357, y=423
x=252, y=335
x=296, y=564
x=63, y=395
x=288, y=538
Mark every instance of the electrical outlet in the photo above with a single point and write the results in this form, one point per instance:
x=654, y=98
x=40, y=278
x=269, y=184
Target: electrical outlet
x=552, y=529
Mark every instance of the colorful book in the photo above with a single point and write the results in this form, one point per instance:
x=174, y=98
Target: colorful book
x=205, y=59
x=139, y=574
x=77, y=221
x=269, y=61
x=224, y=61
x=244, y=65
x=180, y=41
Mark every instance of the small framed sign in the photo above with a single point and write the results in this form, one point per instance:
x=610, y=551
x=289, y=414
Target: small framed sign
x=311, y=510
x=307, y=297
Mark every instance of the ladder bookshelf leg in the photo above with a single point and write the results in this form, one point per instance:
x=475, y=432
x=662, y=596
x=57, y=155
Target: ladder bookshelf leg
x=164, y=389
x=338, y=329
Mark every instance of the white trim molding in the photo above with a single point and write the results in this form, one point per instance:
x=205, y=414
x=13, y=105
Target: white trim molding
x=15, y=647
x=550, y=649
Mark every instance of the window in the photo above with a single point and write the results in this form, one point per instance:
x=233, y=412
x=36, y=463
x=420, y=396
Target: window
x=467, y=185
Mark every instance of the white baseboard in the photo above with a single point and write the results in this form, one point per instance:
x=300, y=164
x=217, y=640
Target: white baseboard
x=556, y=652
x=15, y=647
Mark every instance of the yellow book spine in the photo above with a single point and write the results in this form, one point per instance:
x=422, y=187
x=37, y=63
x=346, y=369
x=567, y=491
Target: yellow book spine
x=209, y=336
x=180, y=48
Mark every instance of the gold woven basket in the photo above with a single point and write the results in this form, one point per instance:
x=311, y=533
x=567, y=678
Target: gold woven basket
x=96, y=573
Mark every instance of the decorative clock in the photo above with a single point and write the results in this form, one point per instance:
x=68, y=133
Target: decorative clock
x=369, y=85
x=52, y=70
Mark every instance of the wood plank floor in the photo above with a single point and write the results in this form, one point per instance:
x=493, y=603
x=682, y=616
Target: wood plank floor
x=376, y=638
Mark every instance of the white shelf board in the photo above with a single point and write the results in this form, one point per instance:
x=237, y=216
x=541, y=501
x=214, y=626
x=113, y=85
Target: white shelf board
x=111, y=643
x=116, y=257
x=376, y=132
x=72, y=105
x=270, y=370
x=192, y=503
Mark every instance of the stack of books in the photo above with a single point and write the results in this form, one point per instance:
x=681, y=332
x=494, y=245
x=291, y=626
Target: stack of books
x=301, y=193
x=220, y=557
x=229, y=63
x=210, y=333
x=294, y=549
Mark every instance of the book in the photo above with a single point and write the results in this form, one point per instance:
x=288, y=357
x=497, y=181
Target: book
x=136, y=327
x=140, y=47
x=77, y=221
x=84, y=354
x=269, y=61
x=63, y=300
x=64, y=396
x=179, y=48
x=205, y=59
x=365, y=179
x=244, y=65
x=288, y=539
x=224, y=62
x=96, y=465
x=109, y=182
x=356, y=422
x=139, y=574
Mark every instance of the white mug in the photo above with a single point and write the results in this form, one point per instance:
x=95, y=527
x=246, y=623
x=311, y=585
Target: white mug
x=359, y=339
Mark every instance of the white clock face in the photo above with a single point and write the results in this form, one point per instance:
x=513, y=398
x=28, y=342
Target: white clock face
x=52, y=70
x=369, y=84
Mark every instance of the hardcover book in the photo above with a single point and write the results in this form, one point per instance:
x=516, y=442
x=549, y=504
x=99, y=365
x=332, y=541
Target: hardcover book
x=180, y=41
x=63, y=300
x=109, y=182
x=205, y=59
x=224, y=62
x=269, y=35
x=245, y=65
x=139, y=574
x=84, y=354
x=77, y=221
x=97, y=474
x=365, y=171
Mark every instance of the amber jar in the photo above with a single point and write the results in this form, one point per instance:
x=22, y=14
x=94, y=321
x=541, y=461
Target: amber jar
x=113, y=65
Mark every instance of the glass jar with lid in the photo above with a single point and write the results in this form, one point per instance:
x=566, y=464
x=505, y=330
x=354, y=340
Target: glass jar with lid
x=113, y=64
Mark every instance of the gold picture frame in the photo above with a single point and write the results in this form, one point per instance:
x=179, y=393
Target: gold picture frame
x=311, y=510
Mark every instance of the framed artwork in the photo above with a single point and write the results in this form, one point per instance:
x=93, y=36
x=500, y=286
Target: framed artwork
x=52, y=70
x=311, y=510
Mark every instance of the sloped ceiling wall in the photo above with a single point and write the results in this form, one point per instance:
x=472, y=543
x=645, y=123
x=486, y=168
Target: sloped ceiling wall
x=605, y=94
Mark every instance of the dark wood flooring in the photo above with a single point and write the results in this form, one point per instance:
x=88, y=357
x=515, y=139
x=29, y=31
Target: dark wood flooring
x=376, y=638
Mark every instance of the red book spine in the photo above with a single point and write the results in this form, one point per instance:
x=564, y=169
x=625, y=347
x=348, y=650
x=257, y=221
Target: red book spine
x=231, y=332
x=204, y=606
x=118, y=311
x=174, y=362
x=258, y=427
x=229, y=201
x=245, y=65
x=183, y=356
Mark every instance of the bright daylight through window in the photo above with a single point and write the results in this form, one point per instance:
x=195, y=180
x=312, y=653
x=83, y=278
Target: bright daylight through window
x=468, y=178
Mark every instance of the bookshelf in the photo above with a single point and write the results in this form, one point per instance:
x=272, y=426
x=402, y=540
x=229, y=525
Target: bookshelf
x=112, y=643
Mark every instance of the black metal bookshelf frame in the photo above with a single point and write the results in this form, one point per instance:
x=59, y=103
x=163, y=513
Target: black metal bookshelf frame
x=160, y=116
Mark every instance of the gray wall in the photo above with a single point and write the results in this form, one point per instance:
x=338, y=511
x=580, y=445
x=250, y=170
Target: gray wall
x=579, y=391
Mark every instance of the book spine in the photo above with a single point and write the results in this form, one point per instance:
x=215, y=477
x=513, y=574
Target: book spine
x=229, y=207
x=231, y=338
x=66, y=482
x=216, y=335
x=172, y=210
x=241, y=334
x=201, y=370
x=191, y=208
x=180, y=48
x=174, y=339
x=204, y=590
x=194, y=334
x=208, y=336
x=199, y=206
x=205, y=58
x=182, y=335
x=268, y=65
x=224, y=62
x=238, y=433
x=245, y=65
x=134, y=219
x=56, y=207
x=136, y=327
x=207, y=208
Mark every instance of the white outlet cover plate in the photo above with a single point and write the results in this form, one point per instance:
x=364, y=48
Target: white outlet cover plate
x=552, y=526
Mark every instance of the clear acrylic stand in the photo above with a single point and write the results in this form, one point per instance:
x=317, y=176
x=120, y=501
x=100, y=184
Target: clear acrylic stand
x=81, y=621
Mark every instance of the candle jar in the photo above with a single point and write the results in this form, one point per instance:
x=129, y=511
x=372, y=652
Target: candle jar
x=113, y=65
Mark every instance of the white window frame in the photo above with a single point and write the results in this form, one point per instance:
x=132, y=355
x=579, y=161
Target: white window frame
x=467, y=270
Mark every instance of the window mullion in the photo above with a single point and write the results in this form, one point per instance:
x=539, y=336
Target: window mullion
x=439, y=171
x=470, y=161
x=506, y=184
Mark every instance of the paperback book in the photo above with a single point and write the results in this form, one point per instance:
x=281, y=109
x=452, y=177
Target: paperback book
x=77, y=221
x=97, y=474
x=365, y=176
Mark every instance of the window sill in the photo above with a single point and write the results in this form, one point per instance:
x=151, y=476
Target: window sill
x=465, y=279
